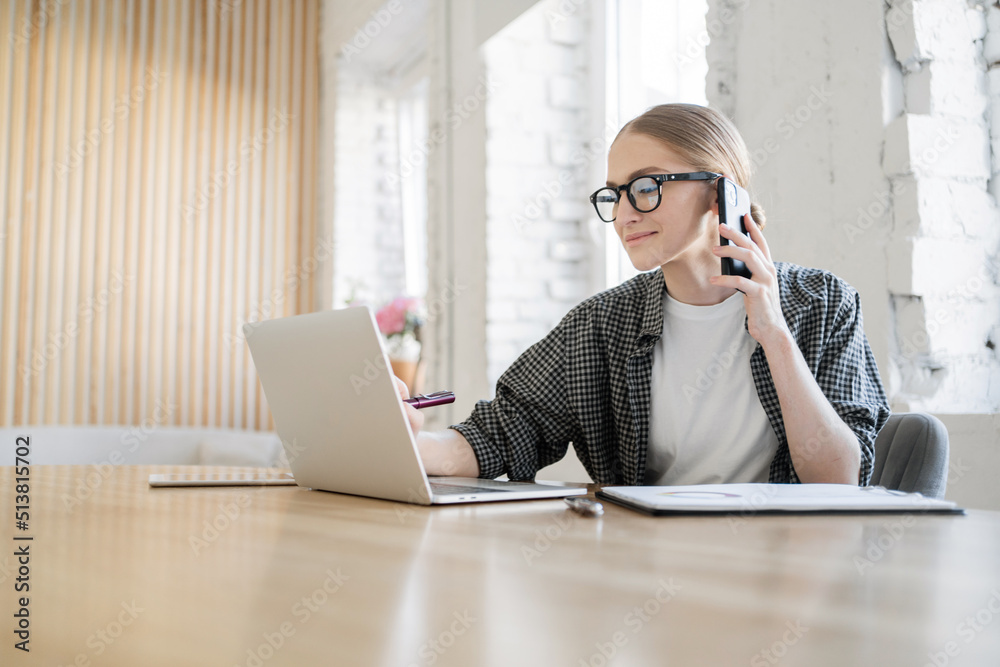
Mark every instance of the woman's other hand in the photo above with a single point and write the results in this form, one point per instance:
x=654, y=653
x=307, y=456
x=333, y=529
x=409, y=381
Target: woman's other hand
x=414, y=416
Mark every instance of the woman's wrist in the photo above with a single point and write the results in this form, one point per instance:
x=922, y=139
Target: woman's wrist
x=447, y=453
x=777, y=341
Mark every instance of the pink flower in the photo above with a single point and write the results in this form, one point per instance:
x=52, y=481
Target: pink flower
x=391, y=320
x=393, y=317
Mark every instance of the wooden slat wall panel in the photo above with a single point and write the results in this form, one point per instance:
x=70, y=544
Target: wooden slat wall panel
x=157, y=190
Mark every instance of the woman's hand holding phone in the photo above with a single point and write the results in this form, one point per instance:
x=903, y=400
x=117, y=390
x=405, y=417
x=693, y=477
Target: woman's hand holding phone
x=765, y=321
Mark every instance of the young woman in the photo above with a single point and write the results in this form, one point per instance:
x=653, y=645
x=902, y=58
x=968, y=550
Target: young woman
x=682, y=375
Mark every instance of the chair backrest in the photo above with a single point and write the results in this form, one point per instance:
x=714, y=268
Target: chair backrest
x=911, y=454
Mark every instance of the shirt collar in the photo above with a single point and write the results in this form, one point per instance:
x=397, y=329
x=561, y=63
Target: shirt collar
x=652, y=316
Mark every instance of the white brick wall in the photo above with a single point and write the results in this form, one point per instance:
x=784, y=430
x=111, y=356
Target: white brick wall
x=367, y=223
x=538, y=250
x=896, y=171
x=942, y=255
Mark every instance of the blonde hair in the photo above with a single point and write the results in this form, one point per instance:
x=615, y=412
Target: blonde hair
x=702, y=137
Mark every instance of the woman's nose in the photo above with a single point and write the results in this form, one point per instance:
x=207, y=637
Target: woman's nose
x=626, y=212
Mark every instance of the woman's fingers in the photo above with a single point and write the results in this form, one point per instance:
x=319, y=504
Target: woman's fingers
x=414, y=416
x=757, y=235
x=401, y=387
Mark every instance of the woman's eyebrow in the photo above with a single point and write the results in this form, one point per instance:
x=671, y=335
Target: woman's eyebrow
x=640, y=172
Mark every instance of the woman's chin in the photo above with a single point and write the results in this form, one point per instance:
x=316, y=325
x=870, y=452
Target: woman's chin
x=644, y=263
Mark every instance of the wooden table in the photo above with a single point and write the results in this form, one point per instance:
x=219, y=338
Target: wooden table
x=122, y=574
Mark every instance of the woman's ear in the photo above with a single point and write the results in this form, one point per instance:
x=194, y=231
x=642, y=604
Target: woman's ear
x=714, y=195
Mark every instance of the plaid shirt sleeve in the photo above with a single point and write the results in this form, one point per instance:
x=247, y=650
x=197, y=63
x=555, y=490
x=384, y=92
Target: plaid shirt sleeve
x=530, y=423
x=849, y=378
x=570, y=387
x=824, y=315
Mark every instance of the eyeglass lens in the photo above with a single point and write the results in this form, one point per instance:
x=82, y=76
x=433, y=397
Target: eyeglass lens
x=644, y=194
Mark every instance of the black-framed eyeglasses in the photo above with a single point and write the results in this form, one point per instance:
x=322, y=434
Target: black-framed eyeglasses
x=643, y=192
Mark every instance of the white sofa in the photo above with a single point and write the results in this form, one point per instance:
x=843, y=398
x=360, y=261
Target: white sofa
x=135, y=445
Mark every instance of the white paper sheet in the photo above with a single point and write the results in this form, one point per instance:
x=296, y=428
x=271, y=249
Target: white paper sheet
x=774, y=497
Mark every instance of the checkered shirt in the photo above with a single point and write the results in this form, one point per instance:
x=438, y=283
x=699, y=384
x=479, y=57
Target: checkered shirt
x=587, y=382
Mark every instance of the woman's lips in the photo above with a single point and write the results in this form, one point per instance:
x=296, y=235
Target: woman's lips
x=637, y=238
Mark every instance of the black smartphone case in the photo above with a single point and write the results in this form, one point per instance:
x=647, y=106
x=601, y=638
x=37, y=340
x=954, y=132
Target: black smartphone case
x=734, y=203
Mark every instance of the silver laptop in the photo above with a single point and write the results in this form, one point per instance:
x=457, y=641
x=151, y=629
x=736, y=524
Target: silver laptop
x=329, y=385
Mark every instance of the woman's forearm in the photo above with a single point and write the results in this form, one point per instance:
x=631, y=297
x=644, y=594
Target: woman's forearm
x=823, y=448
x=447, y=453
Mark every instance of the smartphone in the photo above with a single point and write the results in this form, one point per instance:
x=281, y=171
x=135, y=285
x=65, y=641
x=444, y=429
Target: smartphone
x=734, y=203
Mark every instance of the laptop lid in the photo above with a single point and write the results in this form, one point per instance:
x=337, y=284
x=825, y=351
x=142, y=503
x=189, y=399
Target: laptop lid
x=329, y=385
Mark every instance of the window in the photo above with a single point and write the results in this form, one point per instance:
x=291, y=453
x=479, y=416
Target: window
x=413, y=147
x=655, y=55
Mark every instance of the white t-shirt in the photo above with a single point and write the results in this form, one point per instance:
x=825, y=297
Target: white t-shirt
x=706, y=424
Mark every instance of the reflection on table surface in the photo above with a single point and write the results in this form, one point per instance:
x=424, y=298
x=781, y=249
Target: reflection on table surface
x=122, y=574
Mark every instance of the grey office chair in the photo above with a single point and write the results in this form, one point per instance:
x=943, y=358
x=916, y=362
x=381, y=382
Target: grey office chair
x=911, y=454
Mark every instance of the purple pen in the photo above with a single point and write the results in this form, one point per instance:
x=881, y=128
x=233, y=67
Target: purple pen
x=428, y=400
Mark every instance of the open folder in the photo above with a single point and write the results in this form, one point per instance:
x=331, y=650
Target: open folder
x=771, y=498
